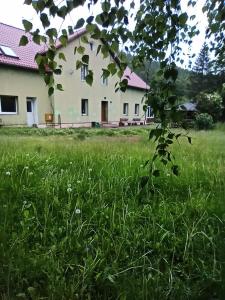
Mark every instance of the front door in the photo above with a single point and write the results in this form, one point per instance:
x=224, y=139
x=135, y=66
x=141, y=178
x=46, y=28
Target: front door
x=104, y=111
x=31, y=111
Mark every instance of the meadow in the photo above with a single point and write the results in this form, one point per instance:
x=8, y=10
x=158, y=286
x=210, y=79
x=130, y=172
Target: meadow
x=75, y=223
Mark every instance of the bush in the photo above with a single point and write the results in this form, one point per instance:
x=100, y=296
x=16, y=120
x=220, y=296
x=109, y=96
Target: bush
x=204, y=121
x=211, y=104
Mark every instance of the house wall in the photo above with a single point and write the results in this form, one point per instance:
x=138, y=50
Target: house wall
x=132, y=97
x=22, y=84
x=68, y=102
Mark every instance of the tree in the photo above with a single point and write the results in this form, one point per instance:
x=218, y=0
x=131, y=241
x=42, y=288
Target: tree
x=160, y=28
x=201, y=73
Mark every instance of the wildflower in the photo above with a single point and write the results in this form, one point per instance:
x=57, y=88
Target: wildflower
x=27, y=154
x=69, y=185
x=141, y=166
x=77, y=211
x=89, y=178
x=89, y=170
x=78, y=181
x=26, y=168
x=31, y=173
x=71, y=163
x=7, y=173
x=46, y=160
x=69, y=190
x=168, y=174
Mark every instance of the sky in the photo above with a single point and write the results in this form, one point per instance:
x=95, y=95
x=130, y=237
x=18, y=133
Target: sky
x=12, y=12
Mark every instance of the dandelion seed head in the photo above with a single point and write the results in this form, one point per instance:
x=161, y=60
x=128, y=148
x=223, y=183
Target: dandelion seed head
x=26, y=167
x=7, y=173
x=71, y=163
x=69, y=190
x=77, y=211
x=69, y=185
x=78, y=181
x=89, y=170
x=31, y=173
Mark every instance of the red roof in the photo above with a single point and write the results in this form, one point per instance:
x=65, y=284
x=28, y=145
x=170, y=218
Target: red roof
x=134, y=80
x=10, y=37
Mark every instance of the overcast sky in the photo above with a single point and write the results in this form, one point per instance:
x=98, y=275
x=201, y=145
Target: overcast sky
x=13, y=11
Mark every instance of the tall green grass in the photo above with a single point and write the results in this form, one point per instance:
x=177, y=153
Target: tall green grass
x=74, y=223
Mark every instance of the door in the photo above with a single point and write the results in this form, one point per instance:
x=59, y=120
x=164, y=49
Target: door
x=104, y=111
x=31, y=111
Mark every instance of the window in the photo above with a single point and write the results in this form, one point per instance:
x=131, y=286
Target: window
x=8, y=105
x=104, y=80
x=84, y=72
x=92, y=46
x=149, y=112
x=136, y=109
x=84, y=107
x=125, y=109
x=7, y=51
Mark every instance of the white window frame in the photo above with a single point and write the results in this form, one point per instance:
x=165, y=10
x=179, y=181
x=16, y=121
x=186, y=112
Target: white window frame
x=7, y=51
x=86, y=107
x=125, y=109
x=149, y=113
x=136, y=109
x=8, y=113
x=83, y=72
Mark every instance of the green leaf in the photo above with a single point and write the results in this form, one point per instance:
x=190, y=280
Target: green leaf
x=27, y=25
x=62, y=56
x=80, y=23
x=78, y=64
x=23, y=41
x=85, y=59
x=44, y=19
x=63, y=40
x=89, y=78
x=175, y=170
x=156, y=173
x=80, y=50
x=84, y=39
x=51, y=91
x=189, y=139
x=59, y=87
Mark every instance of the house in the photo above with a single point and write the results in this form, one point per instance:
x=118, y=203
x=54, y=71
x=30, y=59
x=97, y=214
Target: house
x=24, y=96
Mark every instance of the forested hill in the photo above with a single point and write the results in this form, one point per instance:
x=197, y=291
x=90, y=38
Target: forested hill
x=148, y=73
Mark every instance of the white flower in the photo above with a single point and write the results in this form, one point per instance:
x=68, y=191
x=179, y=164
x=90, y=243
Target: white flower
x=89, y=170
x=71, y=163
x=26, y=168
x=69, y=185
x=89, y=178
x=7, y=173
x=31, y=173
x=69, y=190
x=141, y=166
x=46, y=160
x=77, y=211
x=168, y=174
x=78, y=181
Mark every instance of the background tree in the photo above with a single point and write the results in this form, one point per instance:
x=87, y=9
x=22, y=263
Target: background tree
x=200, y=76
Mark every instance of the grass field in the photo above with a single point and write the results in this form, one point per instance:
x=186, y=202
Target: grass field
x=74, y=223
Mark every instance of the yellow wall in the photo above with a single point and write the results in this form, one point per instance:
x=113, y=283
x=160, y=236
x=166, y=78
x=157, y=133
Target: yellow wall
x=132, y=97
x=68, y=102
x=23, y=84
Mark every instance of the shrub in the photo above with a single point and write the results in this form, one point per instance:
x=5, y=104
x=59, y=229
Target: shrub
x=204, y=121
x=210, y=104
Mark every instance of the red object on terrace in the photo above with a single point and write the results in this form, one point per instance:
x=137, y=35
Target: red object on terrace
x=10, y=37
